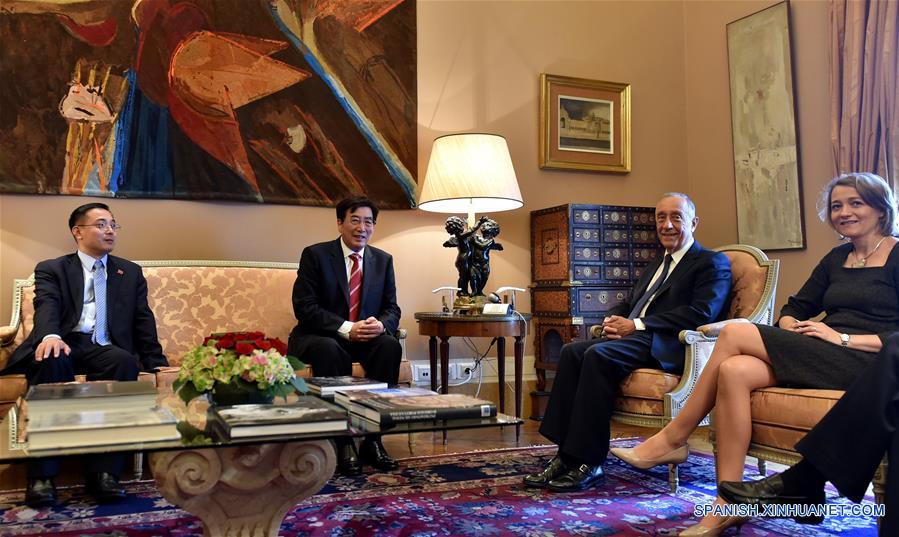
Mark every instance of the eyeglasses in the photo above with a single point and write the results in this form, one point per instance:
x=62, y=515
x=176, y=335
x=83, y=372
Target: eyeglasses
x=103, y=226
x=367, y=222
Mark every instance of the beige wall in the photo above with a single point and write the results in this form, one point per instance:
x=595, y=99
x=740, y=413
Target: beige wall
x=478, y=70
x=708, y=128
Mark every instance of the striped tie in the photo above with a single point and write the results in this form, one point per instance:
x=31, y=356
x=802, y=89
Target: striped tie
x=101, y=328
x=355, y=288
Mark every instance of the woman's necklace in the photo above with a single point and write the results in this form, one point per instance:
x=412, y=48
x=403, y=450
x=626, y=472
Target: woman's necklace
x=861, y=262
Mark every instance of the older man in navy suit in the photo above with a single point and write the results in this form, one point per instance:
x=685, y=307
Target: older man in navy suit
x=92, y=318
x=345, y=301
x=687, y=288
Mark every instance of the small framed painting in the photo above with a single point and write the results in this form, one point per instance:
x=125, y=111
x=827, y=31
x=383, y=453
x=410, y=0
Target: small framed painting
x=584, y=124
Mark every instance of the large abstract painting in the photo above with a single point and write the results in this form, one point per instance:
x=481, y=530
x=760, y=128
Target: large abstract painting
x=277, y=101
x=763, y=115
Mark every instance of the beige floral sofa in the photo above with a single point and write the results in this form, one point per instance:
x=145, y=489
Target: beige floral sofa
x=190, y=299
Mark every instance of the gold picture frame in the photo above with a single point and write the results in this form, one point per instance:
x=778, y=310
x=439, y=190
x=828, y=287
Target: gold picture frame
x=584, y=124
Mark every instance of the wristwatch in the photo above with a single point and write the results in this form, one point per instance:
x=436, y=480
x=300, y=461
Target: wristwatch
x=844, y=340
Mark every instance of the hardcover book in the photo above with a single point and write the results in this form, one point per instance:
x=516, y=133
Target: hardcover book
x=99, y=428
x=389, y=411
x=307, y=415
x=326, y=386
x=87, y=396
x=344, y=398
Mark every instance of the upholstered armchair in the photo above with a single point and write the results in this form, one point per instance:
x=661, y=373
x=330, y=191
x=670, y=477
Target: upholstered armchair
x=653, y=397
x=781, y=417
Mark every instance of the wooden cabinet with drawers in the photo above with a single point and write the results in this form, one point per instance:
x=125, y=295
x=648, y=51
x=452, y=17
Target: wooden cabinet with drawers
x=584, y=261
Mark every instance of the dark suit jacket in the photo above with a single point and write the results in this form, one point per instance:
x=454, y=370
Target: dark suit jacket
x=58, y=300
x=695, y=293
x=321, y=293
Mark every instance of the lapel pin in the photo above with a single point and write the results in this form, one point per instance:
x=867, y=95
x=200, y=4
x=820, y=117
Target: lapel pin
x=120, y=272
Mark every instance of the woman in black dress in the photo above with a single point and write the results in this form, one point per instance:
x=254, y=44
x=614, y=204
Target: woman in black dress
x=856, y=284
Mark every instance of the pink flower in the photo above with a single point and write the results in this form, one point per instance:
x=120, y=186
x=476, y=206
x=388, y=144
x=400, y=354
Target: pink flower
x=260, y=359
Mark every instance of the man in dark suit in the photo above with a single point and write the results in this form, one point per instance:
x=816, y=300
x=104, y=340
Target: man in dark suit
x=846, y=447
x=688, y=288
x=91, y=317
x=345, y=301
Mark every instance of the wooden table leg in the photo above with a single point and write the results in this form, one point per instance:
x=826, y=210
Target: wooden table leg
x=501, y=371
x=444, y=370
x=243, y=490
x=444, y=364
x=519, y=363
x=432, y=357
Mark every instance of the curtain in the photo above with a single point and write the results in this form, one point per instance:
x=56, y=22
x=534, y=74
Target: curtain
x=864, y=86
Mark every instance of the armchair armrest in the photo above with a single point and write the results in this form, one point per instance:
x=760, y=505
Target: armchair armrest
x=401, y=333
x=596, y=331
x=714, y=329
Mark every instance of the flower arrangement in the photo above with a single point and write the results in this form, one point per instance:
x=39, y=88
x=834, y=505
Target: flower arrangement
x=239, y=367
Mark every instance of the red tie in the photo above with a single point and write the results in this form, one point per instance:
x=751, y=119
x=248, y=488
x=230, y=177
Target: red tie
x=355, y=288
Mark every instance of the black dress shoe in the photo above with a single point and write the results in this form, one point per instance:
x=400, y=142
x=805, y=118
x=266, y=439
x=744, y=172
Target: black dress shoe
x=105, y=487
x=772, y=491
x=40, y=493
x=347, y=461
x=372, y=453
x=580, y=478
x=554, y=469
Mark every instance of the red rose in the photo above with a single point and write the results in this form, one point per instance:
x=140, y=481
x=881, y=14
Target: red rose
x=244, y=348
x=225, y=343
x=263, y=344
x=279, y=346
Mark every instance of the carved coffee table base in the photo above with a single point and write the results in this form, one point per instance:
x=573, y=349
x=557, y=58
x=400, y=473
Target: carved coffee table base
x=244, y=490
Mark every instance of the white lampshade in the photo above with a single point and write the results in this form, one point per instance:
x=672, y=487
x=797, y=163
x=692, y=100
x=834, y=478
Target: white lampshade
x=470, y=173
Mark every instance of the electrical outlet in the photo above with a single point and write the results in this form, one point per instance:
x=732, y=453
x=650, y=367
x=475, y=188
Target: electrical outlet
x=465, y=368
x=459, y=370
x=421, y=373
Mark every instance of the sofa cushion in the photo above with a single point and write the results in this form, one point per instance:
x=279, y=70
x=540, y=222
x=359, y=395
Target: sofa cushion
x=642, y=391
x=638, y=405
x=649, y=384
x=782, y=416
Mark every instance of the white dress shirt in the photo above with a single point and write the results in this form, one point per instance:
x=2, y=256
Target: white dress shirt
x=88, y=305
x=675, y=259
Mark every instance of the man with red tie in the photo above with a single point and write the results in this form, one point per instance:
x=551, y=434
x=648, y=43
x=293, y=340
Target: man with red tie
x=344, y=300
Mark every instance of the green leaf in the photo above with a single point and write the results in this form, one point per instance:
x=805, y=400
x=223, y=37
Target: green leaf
x=188, y=391
x=190, y=435
x=282, y=390
x=299, y=384
x=295, y=363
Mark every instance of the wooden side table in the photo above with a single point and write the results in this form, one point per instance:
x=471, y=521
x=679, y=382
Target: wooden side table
x=446, y=325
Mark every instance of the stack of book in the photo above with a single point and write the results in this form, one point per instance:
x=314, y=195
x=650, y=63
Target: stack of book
x=345, y=397
x=307, y=415
x=325, y=387
x=89, y=414
x=394, y=406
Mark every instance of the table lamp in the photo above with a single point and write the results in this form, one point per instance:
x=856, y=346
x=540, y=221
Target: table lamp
x=469, y=173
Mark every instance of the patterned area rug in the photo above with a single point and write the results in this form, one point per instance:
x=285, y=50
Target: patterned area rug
x=477, y=493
